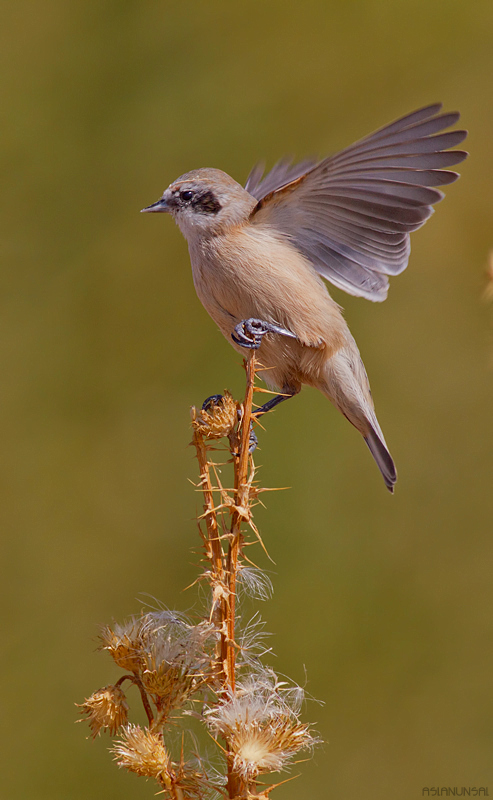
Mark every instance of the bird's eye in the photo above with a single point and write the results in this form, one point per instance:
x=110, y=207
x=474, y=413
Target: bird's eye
x=186, y=195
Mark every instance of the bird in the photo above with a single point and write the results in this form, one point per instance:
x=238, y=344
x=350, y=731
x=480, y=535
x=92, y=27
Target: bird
x=259, y=253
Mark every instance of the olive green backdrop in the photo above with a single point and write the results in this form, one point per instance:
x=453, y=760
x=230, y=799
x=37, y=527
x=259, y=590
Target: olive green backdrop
x=383, y=605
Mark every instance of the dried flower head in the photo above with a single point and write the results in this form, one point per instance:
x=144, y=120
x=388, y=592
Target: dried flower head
x=142, y=751
x=175, y=658
x=106, y=709
x=217, y=417
x=260, y=723
x=124, y=643
x=191, y=670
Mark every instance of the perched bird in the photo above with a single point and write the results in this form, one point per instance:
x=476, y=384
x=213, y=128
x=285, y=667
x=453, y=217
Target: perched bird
x=258, y=253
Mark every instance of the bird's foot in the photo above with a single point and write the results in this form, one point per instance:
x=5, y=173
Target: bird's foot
x=253, y=440
x=212, y=401
x=249, y=332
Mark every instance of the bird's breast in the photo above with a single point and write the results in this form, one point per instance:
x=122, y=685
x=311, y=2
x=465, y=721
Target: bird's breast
x=250, y=271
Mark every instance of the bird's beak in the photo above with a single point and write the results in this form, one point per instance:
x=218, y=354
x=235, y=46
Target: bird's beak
x=161, y=205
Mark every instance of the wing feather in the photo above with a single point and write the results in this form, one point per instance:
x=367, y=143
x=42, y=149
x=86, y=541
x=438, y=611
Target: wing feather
x=351, y=214
x=281, y=173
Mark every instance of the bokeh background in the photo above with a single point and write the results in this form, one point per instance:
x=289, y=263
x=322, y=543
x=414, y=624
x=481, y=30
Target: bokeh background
x=383, y=606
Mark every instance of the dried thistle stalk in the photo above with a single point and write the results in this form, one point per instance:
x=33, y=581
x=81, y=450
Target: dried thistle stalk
x=204, y=668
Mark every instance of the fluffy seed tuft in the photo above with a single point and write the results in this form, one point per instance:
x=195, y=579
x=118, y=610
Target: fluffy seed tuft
x=175, y=658
x=260, y=723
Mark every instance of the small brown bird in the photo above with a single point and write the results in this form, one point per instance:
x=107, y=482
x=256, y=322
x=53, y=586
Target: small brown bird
x=258, y=253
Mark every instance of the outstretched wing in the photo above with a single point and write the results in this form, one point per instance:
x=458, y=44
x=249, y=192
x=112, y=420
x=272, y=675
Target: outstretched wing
x=351, y=214
x=281, y=173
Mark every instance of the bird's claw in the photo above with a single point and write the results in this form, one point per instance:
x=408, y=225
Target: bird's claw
x=249, y=332
x=253, y=440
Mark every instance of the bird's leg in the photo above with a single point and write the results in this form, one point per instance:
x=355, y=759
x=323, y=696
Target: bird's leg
x=274, y=401
x=249, y=332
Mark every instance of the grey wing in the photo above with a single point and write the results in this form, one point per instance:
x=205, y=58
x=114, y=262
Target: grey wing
x=351, y=214
x=281, y=173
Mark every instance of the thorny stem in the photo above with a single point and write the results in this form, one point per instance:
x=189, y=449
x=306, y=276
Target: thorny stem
x=215, y=555
x=225, y=512
x=241, y=510
x=224, y=567
x=169, y=783
x=240, y=513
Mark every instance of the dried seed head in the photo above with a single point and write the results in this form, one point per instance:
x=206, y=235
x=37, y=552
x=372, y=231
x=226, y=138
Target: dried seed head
x=267, y=748
x=167, y=682
x=218, y=418
x=260, y=722
x=143, y=752
x=106, y=709
x=175, y=658
x=124, y=643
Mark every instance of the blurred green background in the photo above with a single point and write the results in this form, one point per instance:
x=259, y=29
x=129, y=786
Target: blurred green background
x=383, y=605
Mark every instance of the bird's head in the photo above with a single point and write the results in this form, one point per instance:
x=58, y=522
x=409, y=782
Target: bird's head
x=205, y=202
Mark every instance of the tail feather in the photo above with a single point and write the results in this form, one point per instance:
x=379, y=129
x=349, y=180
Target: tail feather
x=378, y=449
x=345, y=383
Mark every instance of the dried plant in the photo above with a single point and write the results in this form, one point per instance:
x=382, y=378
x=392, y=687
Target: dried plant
x=207, y=669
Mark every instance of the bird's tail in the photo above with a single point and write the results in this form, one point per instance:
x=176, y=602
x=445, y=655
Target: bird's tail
x=385, y=462
x=345, y=383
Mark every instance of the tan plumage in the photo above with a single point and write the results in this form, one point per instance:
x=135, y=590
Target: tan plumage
x=259, y=252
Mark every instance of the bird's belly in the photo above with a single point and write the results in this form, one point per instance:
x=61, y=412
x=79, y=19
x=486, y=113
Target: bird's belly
x=269, y=284
x=287, y=364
